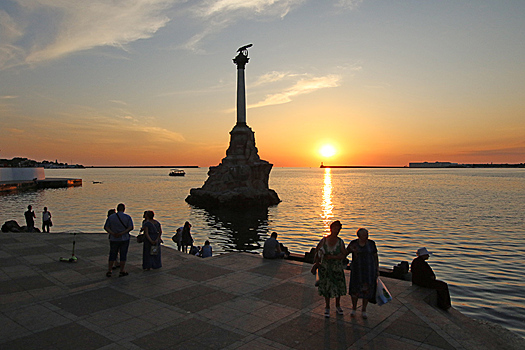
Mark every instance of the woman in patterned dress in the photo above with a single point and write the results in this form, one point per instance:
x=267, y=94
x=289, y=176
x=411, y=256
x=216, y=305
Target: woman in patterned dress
x=330, y=253
x=365, y=270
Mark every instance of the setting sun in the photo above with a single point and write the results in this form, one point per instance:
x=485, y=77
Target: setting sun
x=327, y=151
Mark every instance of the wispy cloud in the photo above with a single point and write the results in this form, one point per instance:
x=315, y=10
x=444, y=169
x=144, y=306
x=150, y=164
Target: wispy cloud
x=58, y=28
x=271, y=77
x=119, y=102
x=271, y=7
x=305, y=85
x=517, y=150
x=349, y=4
x=44, y=30
x=219, y=14
x=15, y=131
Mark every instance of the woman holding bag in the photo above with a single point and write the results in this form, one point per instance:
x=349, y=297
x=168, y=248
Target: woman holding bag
x=330, y=253
x=365, y=270
x=151, y=258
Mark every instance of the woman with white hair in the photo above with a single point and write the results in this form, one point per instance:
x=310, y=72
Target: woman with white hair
x=365, y=270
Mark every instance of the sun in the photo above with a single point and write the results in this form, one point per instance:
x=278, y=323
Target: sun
x=327, y=151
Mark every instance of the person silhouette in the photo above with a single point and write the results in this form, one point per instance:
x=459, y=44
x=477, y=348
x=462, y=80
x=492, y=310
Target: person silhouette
x=424, y=276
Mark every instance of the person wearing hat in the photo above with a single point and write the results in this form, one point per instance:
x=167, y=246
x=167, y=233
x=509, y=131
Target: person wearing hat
x=422, y=275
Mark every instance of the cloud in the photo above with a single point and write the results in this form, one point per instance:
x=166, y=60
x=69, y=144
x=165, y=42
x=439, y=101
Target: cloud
x=349, y=4
x=15, y=131
x=58, y=28
x=161, y=134
x=119, y=102
x=219, y=14
x=44, y=30
x=517, y=150
x=303, y=86
x=271, y=77
x=270, y=7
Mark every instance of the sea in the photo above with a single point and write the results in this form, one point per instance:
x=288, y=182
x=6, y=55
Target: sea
x=472, y=220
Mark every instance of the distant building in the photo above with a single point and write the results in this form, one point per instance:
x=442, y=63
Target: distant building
x=19, y=162
x=434, y=165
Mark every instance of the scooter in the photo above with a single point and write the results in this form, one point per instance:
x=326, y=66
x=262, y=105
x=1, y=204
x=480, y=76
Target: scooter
x=73, y=257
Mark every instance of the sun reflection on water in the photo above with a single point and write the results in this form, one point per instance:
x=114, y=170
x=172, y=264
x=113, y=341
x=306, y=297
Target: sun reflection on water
x=327, y=205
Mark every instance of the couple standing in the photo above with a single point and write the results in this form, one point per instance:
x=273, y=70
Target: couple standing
x=329, y=257
x=119, y=225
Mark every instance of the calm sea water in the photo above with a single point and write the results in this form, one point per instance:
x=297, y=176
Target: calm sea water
x=472, y=219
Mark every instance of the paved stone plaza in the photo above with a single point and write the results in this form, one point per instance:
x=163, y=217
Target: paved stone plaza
x=231, y=301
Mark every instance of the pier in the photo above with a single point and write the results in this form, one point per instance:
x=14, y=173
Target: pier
x=231, y=301
x=11, y=186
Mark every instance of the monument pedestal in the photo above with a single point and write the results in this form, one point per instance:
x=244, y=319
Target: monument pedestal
x=240, y=180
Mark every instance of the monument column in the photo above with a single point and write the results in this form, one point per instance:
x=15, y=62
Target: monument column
x=240, y=181
x=241, y=60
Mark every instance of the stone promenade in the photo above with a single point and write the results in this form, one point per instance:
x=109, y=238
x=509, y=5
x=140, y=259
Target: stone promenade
x=232, y=301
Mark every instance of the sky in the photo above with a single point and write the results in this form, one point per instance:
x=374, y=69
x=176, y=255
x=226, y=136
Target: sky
x=152, y=82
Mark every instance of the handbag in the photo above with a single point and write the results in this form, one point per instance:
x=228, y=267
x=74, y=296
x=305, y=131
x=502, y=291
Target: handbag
x=154, y=250
x=140, y=238
x=383, y=296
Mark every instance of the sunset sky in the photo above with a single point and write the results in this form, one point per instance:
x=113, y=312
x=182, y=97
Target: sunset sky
x=152, y=82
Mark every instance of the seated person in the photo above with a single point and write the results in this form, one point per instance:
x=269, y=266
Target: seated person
x=273, y=249
x=422, y=275
x=206, y=250
x=195, y=250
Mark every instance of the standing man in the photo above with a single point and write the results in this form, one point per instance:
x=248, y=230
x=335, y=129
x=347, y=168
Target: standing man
x=30, y=218
x=118, y=225
x=424, y=276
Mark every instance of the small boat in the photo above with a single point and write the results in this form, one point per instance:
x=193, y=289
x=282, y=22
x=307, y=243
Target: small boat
x=177, y=172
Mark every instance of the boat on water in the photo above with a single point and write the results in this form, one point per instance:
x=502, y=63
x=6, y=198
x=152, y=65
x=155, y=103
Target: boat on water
x=177, y=172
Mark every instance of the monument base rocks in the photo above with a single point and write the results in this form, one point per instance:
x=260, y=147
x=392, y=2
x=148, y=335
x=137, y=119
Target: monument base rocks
x=240, y=180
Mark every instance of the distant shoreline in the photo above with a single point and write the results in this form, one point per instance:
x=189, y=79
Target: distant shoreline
x=363, y=166
x=460, y=166
x=141, y=166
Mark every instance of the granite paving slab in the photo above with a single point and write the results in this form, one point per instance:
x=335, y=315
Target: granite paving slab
x=231, y=301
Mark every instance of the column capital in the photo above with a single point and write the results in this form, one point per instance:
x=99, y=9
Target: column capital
x=241, y=60
x=242, y=57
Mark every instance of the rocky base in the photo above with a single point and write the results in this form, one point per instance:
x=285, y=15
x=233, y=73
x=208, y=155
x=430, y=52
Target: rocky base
x=232, y=199
x=240, y=180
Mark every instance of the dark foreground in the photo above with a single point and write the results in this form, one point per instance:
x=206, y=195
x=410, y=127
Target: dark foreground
x=232, y=301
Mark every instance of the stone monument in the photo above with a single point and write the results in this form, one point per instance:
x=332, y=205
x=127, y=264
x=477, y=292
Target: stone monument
x=241, y=179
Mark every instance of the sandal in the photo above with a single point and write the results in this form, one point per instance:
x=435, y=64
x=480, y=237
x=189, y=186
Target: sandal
x=108, y=274
x=122, y=274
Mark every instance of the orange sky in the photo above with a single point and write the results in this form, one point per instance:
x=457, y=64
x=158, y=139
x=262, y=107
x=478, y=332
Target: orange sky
x=384, y=83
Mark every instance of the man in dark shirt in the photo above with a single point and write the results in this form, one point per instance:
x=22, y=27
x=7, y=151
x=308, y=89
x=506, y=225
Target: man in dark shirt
x=273, y=249
x=422, y=275
x=30, y=218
